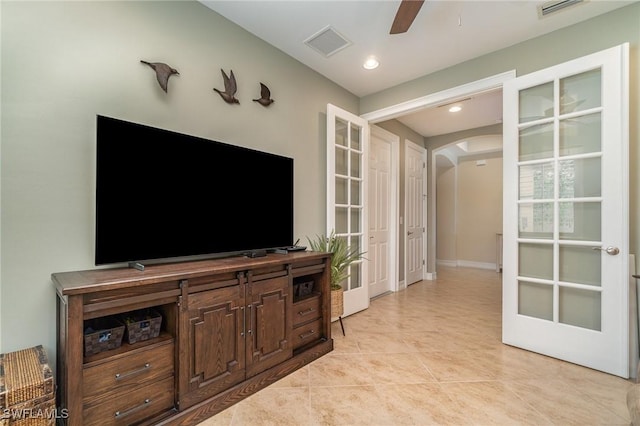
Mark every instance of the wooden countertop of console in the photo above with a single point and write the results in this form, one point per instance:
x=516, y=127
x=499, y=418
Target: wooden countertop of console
x=81, y=282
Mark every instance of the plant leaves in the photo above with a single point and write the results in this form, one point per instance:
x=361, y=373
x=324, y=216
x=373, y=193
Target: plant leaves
x=342, y=255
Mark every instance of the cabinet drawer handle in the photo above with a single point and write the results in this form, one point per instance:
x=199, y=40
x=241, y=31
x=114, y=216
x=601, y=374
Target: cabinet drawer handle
x=131, y=373
x=122, y=414
x=305, y=335
x=244, y=321
x=307, y=312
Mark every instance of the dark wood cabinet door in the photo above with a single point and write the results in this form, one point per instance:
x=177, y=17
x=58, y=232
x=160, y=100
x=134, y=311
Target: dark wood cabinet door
x=216, y=342
x=269, y=324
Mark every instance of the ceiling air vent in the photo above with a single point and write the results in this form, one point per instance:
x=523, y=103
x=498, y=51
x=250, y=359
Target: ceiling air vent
x=327, y=41
x=555, y=6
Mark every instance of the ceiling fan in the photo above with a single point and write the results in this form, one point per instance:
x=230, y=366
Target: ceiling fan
x=407, y=12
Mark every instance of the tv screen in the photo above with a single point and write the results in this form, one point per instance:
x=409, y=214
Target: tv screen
x=162, y=194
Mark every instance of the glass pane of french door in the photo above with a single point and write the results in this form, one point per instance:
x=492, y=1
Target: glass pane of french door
x=348, y=202
x=566, y=211
x=560, y=200
x=346, y=185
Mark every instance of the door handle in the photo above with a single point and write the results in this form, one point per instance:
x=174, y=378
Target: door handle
x=609, y=250
x=410, y=233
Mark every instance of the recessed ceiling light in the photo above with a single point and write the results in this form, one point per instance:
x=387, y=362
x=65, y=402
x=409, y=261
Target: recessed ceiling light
x=371, y=63
x=455, y=108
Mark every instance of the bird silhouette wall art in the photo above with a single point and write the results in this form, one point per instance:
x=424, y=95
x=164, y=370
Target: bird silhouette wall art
x=163, y=72
x=265, y=96
x=230, y=88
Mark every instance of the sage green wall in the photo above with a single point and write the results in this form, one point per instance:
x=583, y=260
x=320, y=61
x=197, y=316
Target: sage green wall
x=478, y=210
x=605, y=31
x=446, y=215
x=65, y=62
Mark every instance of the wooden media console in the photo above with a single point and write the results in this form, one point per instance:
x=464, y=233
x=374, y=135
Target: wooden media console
x=230, y=327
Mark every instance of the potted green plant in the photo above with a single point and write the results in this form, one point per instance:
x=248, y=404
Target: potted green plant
x=342, y=257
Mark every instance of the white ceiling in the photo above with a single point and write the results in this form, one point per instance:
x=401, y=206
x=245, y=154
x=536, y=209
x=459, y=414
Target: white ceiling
x=445, y=33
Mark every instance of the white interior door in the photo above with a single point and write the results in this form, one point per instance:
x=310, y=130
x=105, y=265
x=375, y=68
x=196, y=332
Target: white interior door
x=565, y=289
x=415, y=198
x=347, y=167
x=382, y=208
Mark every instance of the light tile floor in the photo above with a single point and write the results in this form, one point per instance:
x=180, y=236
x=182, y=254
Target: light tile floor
x=431, y=355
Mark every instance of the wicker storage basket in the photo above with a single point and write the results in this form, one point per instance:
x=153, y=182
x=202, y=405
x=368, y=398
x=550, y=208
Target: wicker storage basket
x=27, y=391
x=102, y=334
x=142, y=325
x=337, y=303
x=302, y=289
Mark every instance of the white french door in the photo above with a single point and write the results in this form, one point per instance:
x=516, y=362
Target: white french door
x=347, y=167
x=565, y=279
x=415, y=243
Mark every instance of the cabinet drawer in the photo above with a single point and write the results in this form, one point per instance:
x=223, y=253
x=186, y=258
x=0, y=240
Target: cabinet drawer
x=306, y=333
x=129, y=371
x=131, y=407
x=306, y=310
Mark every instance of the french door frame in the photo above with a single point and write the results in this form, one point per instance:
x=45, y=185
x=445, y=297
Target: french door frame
x=433, y=100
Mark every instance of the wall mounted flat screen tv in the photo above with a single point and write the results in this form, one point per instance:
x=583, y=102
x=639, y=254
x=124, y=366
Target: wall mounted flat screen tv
x=162, y=194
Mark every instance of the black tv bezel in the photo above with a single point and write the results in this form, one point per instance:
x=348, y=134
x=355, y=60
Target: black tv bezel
x=100, y=258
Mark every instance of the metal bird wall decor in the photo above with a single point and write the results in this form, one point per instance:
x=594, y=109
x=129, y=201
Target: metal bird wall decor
x=163, y=72
x=230, y=88
x=265, y=96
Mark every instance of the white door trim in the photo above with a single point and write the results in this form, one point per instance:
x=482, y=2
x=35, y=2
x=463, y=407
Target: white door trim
x=394, y=213
x=483, y=85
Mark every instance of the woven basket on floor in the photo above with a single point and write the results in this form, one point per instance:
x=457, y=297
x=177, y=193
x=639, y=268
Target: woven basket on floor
x=337, y=303
x=26, y=387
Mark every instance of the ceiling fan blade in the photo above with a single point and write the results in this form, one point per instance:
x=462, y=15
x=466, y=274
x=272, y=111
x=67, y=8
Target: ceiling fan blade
x=405, y=15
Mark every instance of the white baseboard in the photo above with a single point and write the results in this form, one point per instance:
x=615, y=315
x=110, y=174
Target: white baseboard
x=466, y=264
x=479, y=265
